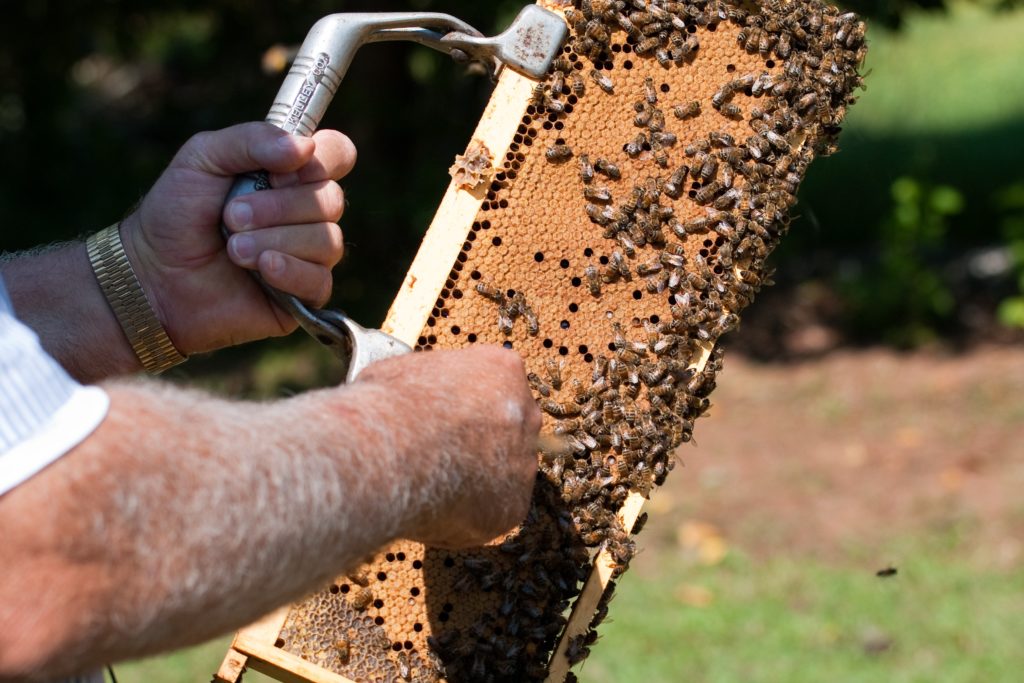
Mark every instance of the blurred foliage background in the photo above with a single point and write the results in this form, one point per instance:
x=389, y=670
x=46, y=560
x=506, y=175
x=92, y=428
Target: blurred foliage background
x=913, y=233
x=912, y=236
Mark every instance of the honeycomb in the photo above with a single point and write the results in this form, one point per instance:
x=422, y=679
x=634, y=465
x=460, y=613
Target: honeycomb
x=624, y=230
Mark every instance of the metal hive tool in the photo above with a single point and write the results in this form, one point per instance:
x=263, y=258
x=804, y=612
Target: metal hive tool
x=613, y=273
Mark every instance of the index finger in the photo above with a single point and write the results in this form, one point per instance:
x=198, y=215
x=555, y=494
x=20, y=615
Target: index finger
x=333, y=159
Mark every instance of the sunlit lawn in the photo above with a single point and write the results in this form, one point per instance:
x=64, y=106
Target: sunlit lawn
x=786, y=619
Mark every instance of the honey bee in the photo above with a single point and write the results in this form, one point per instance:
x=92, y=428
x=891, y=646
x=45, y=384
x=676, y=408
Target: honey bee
x=666, y=139
x=653, y=29
x=618, y=263
x=558, y=82
x=553, y=105
x=650, y=92
x=662, y=213
x=362, y=599
x=477, y=565
x=708, y=169
x=593, y=280
x=647, y=45
x=676, y=184
x=577, y=84
x=731, y=111
x=627, y=244
x=664, y=57
x=360, y=577
x=777, y=141
x=577, y=650
x=722, y=95
x=642, y=18
x=724, y=255
x=672, y=260
x=559, y=153
x=342, y=647
x=505, y=321
x=573, y=16
x=643, y=117
x=532, y=322
x=607, y=169
x=630, y=206
x=600, y=195
x=586, y=169
x=736, y=13
x=726, y=323
x=554, y=372
x=690, y=45
x=634, y=147
x=600, y=215
x=538, y=95
x=625, y=23
x=727, y=175
x=660, y=156
x=602, y=81
x=758, y=147
x=696, y=148
x=560, y=409
x=762, y=84
x=753, y=39
x=597, y=31
x=728, y=199
x=404, y=669
x=698, y=225
x=697, y=282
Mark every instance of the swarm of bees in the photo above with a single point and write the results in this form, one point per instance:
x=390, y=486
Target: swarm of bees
x=729, y=188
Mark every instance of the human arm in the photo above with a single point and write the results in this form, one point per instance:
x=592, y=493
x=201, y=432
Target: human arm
x=184, y=516
x=199, y=290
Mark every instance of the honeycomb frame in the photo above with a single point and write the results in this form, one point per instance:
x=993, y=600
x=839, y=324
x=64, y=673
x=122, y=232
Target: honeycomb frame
x=638, y=255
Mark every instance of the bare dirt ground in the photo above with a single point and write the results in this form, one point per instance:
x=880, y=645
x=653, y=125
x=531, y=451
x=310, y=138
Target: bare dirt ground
x=856, y=448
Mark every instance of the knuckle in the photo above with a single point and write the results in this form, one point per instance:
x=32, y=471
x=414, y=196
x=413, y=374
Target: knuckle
x=199, y=141
x=335, y=241
x=195, y=151
x=332, y=200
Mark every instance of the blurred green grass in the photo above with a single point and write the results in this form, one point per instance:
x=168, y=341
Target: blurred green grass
x=794, y=619
x=943, y=72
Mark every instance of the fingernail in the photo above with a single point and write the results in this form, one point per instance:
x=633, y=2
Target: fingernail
x=244, y=247
x=275, y=262
x=241, y=215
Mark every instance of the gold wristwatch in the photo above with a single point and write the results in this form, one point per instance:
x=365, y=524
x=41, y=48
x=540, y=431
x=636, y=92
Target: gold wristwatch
x=124, y=293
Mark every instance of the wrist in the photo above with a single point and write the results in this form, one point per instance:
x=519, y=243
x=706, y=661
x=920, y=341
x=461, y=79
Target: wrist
x=128, y=299
x=148, y=272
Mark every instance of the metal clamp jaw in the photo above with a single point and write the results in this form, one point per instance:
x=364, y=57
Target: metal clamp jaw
x=528, y=46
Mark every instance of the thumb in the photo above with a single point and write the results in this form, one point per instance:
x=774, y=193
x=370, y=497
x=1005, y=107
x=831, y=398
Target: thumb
x=243, y=148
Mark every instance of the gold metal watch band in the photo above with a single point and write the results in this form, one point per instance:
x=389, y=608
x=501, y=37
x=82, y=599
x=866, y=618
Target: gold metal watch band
x=126, y=297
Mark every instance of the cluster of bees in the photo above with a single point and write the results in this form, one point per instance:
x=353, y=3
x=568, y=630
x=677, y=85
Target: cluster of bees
x=617, y=425
x=619, y=428
x=362, y=648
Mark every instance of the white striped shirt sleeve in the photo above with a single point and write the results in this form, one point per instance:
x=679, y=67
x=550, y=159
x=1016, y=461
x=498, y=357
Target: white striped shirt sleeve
x=44, y=413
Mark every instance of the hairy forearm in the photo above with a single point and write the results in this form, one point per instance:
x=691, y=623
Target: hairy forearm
x=185, y=516
x=56, y=294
